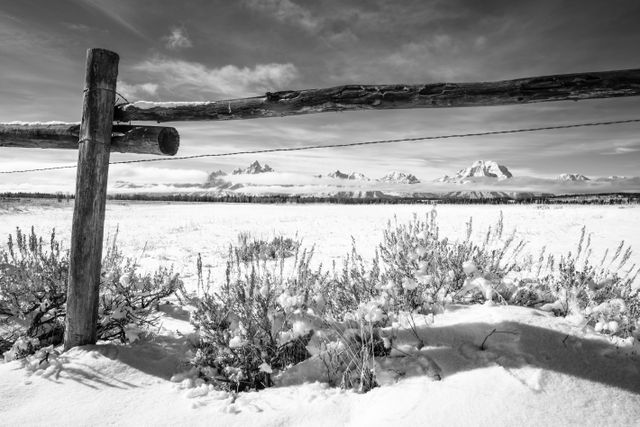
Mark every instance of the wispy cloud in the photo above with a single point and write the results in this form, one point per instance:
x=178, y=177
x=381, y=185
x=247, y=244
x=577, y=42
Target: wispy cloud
x=178, y=39
x=331, y=27
x=136, y=91
x=193, y=79
x=74, y=26
x=287, y=11
x=156, y=175
x=623, y=150
x=115, y=11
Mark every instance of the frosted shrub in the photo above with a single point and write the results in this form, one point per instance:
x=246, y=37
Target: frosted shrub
x=355, y=284
x=129, y=299
x=602, y=292
x=352, y=356
x=33, y=293
x=415, y=270
x=33, y=281
x=258, y=322
x=249, y=248
x=423, y=270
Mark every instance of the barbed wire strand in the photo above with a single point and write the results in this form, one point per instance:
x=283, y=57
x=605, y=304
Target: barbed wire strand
x=348, y=144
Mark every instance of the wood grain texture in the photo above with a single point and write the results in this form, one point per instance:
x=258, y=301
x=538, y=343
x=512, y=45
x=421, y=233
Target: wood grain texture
x=156, y=140
x=91, y=192
x=565, y=87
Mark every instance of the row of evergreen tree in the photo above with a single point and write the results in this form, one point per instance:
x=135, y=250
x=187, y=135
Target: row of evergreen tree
x=599, y=199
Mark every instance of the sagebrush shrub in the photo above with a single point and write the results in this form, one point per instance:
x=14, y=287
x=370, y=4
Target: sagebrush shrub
x=356, y=283
x=270, y=313
x=129, y=298
x=33, y=284
x=416, y=270
x=33, y=292
x=603, y=292
x=253, y=324
x=249, y=248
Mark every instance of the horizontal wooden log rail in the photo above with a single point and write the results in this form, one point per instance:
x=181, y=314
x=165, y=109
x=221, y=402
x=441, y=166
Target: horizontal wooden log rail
x=158, y=140
x=564, y=87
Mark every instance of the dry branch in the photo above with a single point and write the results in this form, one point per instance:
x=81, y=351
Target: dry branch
x=124, y=138
x=574, y=87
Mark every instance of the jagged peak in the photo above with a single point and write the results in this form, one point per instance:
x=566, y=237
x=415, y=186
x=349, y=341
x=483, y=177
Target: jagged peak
x=485, y=168
x=572, y=177
x=400, y=178
x=479, y=169
x=353, y=175
x=253, y=168
x=337, y=174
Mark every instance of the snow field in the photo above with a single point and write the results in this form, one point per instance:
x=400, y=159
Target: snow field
x=481, y=365
x=166, y=234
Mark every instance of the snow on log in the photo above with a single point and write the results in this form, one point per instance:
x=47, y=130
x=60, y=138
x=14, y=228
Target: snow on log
x=564, y=87
x=124, y=138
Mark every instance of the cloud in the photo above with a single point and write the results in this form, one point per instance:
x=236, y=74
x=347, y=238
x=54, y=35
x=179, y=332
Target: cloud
x=156, y=175
x=193, y=79
x=115, y=11
x=178, y=39
x=332, y=27
x=623, y=150
x=73, y=26
x=287, y=11
x=136, y=91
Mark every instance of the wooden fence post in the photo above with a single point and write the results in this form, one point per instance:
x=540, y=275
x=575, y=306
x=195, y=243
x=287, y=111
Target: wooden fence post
x=91, y=192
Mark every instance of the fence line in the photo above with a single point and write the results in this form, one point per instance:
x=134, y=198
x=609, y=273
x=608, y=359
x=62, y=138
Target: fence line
x=349, y=144
x=99, y=113
x=353, y=97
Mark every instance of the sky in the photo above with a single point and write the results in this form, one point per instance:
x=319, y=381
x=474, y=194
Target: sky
x=196, y=50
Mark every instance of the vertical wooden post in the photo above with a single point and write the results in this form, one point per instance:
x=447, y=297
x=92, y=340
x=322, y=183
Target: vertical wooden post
x=91, y=193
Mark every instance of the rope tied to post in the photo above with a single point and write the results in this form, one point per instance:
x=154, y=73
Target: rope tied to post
x=125, y=101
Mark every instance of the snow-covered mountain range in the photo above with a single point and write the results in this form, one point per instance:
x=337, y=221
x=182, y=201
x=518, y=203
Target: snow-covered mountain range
x=395, y=177
x=482, y=179
x=572, y=177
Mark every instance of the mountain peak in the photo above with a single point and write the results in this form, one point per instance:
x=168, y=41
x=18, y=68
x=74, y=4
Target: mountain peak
x=485, y=168
x=253, y=168
x=338, y=175
x=353, y=175
x=215, y=176
x=398, y=177
x=572, y=177
x=479, y=169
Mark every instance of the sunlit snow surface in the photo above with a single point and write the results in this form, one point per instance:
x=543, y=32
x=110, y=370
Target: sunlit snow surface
x=174, y=233
x=537, y=370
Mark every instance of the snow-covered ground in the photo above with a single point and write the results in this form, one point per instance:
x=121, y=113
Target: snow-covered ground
x=535, y=369
x=161, y=233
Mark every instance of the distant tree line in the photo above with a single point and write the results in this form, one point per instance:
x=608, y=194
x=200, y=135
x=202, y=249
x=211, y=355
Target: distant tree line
x=597, y=199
